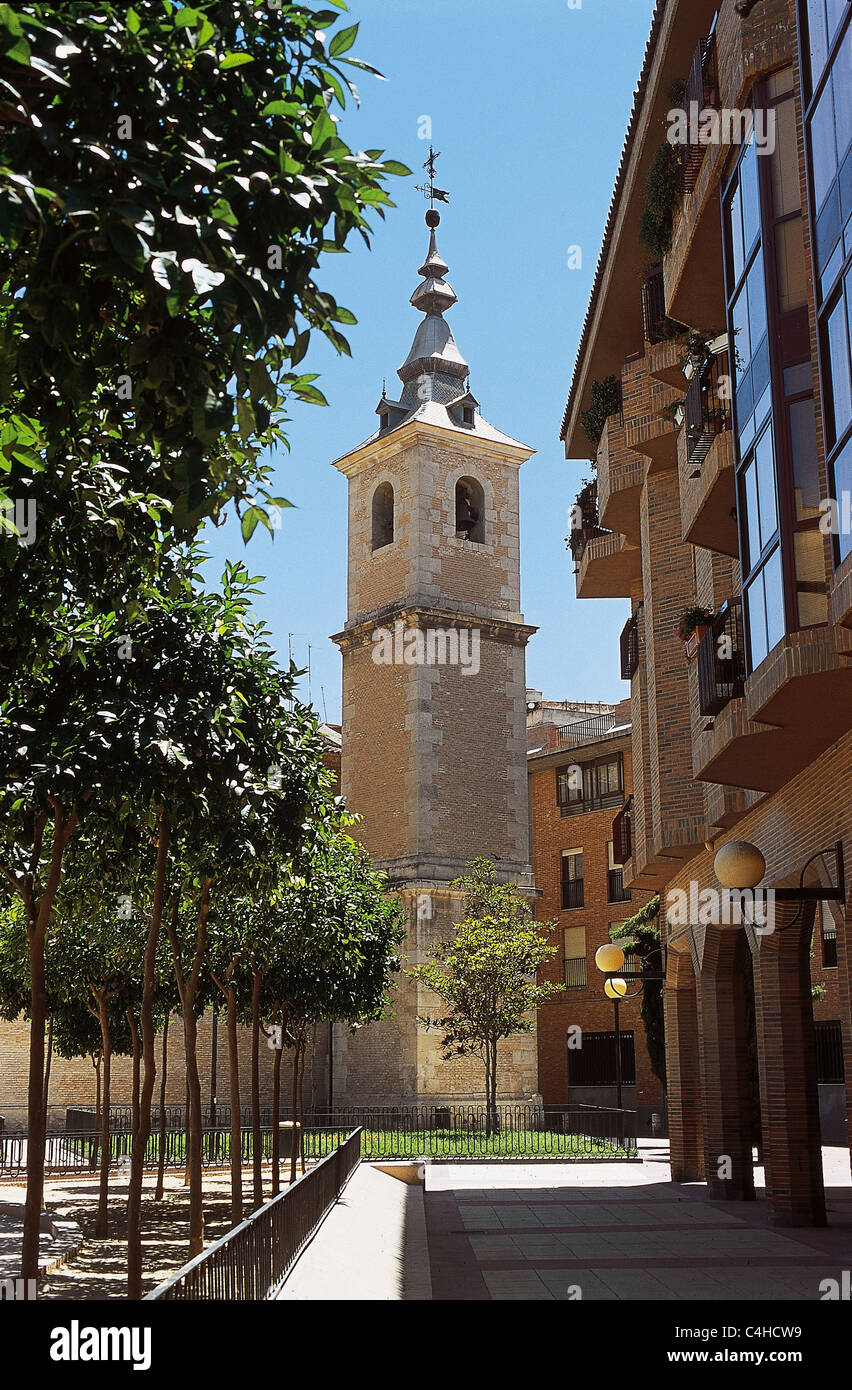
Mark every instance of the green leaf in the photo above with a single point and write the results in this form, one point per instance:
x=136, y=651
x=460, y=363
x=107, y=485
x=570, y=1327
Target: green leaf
x=235, y=60
x=342, y=41
x=393, y=166
x=133, y=22
x=128, y=244
x=249, y=521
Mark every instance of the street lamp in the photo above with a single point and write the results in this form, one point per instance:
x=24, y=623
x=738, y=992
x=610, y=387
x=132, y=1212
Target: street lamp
x=740, y=865
x=609, y=959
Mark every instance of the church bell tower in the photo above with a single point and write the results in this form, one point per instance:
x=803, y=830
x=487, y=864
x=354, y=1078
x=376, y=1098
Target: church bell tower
x=434, y=685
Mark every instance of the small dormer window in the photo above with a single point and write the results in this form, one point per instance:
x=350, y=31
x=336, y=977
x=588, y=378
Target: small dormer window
x=384, y=421
x=467, y=414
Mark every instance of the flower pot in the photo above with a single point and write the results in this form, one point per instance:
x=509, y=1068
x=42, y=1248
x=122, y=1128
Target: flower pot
x=693, y=642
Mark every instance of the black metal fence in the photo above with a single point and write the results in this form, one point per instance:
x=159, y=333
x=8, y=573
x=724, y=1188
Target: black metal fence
x=459, y=1132
x=252, y=1261
x=707, y=407
x=80, y=1150
x=622, y=833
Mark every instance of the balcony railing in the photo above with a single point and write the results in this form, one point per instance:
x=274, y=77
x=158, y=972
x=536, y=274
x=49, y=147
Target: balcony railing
x=585, y=729
x=629, y=645
x=572, y=892
x=615, y=889
x=721, y=660
x=656, y=324
x=622, y=833
x=702, y=91
x=707, y=407
x=575, y=973
x=589, y=522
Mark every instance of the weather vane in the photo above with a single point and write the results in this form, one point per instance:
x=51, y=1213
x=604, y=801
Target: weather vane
x=429, y=190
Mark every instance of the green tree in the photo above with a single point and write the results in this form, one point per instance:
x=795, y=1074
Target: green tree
x=640, y=935
x=486, y=975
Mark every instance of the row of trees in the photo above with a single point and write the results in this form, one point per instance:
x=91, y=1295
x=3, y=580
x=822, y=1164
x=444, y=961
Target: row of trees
x=169, y=178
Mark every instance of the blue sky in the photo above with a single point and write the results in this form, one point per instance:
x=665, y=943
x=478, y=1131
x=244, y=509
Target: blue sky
x=529, y=106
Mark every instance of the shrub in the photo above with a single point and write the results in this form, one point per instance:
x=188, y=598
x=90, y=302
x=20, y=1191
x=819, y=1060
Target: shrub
x=661, y=199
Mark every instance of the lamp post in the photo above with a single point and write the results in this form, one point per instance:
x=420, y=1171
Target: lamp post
x=739, y=865
x=609, y=959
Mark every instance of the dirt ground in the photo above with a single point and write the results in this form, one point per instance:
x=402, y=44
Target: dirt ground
x=98, y=1270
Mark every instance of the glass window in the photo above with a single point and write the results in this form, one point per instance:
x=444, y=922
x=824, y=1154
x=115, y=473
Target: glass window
x=790, y=258
x=784, y=161
x=840, y=396
x=775, y=625
x=750, y=196
x=811, y=595
x=818, y=40
x=842, y=82
x=842, y=494
x=735, y=213
x=804, y=450
x=575, y=943
x=823, y=150
x=767, y=508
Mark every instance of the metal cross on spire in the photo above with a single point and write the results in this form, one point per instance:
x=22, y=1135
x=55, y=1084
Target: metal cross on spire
x=429, y=190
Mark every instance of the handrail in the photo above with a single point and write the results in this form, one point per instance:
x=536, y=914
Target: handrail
x=252, y=1261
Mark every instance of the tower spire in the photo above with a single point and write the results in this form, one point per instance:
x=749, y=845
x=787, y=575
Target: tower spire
x=434, y=369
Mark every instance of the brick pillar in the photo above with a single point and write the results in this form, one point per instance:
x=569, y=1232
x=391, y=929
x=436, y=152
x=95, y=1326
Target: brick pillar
x=682, y=1071
x=788, y=1074
x=725, y=1072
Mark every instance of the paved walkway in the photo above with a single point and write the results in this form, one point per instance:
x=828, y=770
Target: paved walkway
x=621, y=1231
x=371, y=1246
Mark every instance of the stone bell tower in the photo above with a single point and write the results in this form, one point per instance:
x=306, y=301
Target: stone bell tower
x=434, y=686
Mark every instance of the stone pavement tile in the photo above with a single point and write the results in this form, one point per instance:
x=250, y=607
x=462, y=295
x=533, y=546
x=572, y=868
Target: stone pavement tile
x=588, y=1246
x=591, y=1286
x=635, y=1284
x=477, y=1217
x=493, y=1247
x=505, y=1284
x=515, y=1216
x=554, y=1214
x=539, y=1247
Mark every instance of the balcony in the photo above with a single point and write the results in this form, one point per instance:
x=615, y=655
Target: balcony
x=656, y=324
x=586, y=524
x=706, y=409
x=795, y=705
x=629, y=647
x=721, y=660
x=584, y=730
x=702, y=91
x=575, y=973
x=708, y=496
x=649, y=427
x=572, y=893
x=615, y=889
x=622, y=833
x=609, y=567
x=620, y=478
x=841, y=594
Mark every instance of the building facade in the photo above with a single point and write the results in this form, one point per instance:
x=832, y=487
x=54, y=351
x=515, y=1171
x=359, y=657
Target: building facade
x=723, y=484
x=580, y=777
x=434, y=687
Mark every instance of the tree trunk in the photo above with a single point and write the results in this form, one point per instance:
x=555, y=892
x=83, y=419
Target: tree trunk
x=161, y=1159
x=188, y=991
x=37, y=921
x=96, y=1063
x=302, y=1104
x=256, y=1138
x=146, y=1020
x=45, y=1099
x=276, y=1115
x=294, y=1108
x=102, y=1219
x=134, y=1089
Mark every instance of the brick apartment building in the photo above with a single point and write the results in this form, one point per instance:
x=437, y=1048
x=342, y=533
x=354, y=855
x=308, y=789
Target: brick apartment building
x=710, y=478
x=580, y=773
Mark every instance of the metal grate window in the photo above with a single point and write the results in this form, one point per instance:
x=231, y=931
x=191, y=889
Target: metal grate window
x=593, y=1063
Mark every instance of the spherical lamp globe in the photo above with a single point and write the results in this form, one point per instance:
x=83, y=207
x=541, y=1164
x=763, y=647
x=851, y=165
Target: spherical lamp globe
x=609, y=957
x=615, y=989
x=739, y=864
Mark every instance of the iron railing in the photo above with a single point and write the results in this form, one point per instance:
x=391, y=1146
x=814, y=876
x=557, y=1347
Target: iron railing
x=585, y=729
x=594, y=1064
x=252, y=1261
x=629, y=647
x=656, y=324
x=707, y=407
x=616, y=891
x=589, y=526
x=80, y=1151
x=575, y=973
x=702, y=91
x=721, y=660
x=460, y=1132
x=622, y=833
x=572, y=892
x=829, y=1050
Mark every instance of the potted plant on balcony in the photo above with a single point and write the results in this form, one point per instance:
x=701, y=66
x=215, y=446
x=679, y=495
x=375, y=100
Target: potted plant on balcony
x=673, y=412
x=694, y=622
x=694, y=352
